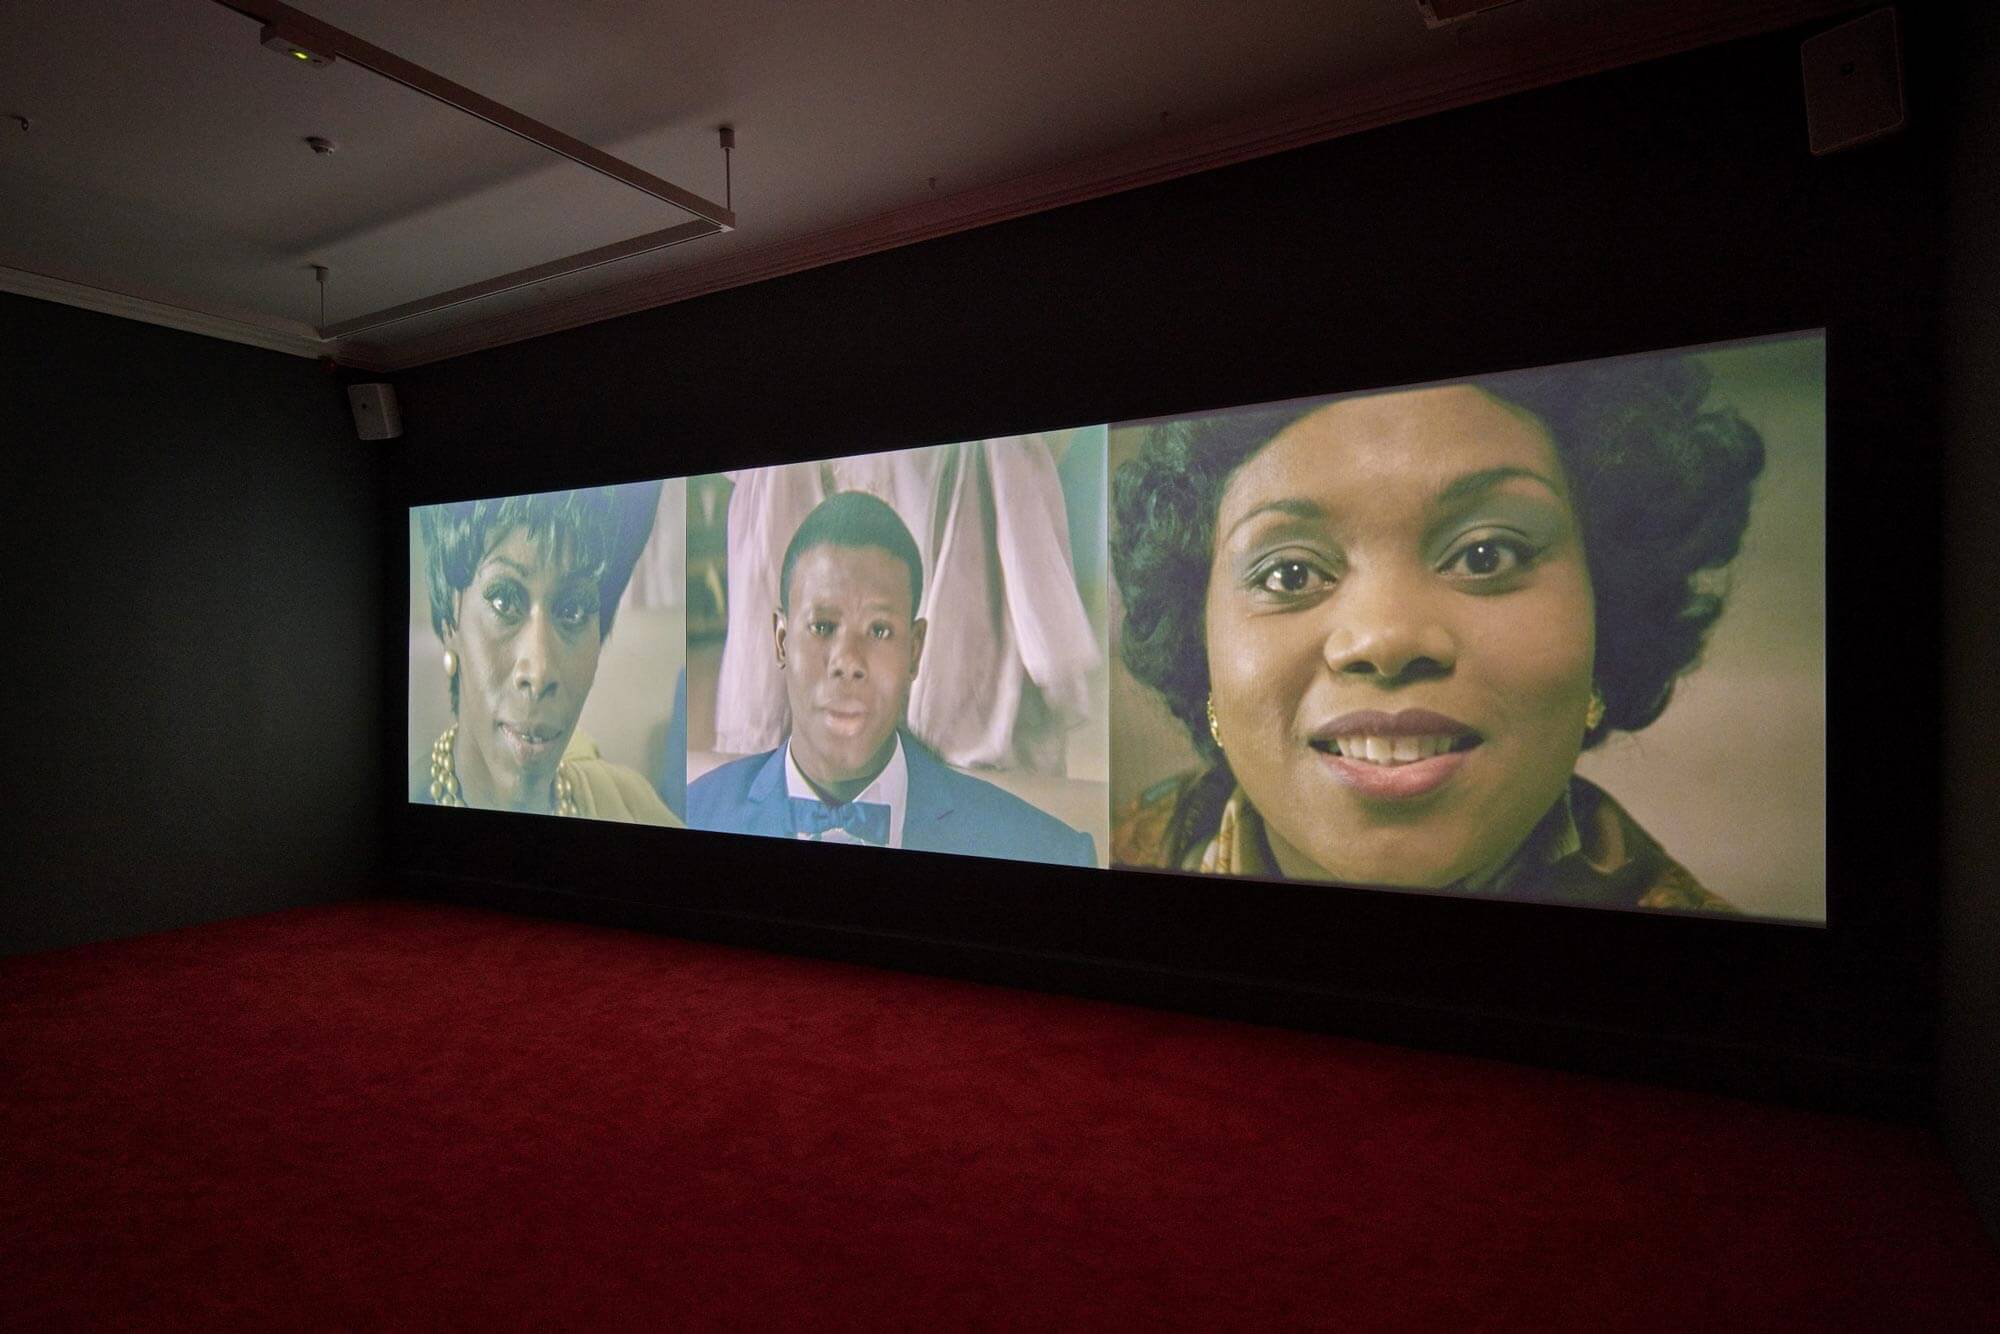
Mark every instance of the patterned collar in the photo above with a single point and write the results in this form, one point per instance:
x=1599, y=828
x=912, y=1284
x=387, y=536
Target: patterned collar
x=1240, y=847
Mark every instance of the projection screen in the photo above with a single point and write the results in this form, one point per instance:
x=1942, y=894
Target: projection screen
x=1554, y=635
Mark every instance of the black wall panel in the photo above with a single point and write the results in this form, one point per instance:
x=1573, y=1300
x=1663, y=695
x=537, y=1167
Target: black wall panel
x=1970, y=1055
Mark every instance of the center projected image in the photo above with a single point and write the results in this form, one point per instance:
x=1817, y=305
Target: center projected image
x=1555, y=635
x=912, y=651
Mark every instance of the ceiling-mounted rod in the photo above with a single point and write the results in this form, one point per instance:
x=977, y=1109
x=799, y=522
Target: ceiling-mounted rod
x=328, y=40
x=728, y=134
x=507, y=282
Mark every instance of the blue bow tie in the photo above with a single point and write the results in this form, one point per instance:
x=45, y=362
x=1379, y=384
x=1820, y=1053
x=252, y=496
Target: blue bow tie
x=865, y=820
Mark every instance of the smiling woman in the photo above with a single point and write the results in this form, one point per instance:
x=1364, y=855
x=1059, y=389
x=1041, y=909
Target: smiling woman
x=1391, y=624
x=523, y=592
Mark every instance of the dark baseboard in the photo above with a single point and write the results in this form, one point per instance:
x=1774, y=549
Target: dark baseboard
x=1816, y=1080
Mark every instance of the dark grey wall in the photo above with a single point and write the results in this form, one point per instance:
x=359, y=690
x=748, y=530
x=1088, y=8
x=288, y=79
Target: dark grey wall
x=1970, y=1056
x=194, y=712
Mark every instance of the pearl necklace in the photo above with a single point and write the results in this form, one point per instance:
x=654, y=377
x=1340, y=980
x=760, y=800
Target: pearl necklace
x=445, y=790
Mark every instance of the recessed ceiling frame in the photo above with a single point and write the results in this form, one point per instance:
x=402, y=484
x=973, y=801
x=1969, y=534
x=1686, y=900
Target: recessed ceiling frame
x=324, y=39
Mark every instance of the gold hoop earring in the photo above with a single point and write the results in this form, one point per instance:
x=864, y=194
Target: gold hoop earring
x=1593, y=713
x=1214, y=728
x=450, y=664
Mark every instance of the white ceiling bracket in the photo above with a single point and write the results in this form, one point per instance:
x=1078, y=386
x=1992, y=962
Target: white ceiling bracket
x=323, y=39
x=728, y=135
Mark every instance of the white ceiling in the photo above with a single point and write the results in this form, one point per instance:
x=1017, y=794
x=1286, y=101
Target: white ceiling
x=164, y=174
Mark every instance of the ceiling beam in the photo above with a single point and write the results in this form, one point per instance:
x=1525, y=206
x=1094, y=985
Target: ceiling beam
x=507, y=282
x=328, y=40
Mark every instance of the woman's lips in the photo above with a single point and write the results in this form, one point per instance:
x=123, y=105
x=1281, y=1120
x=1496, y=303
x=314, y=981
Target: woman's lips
x=1393, y=749
x=531, y=745
x=1394, y=755
x=1395, y=781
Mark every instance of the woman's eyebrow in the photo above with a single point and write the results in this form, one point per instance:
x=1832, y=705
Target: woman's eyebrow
x=1296, y=509
x=1477, y=483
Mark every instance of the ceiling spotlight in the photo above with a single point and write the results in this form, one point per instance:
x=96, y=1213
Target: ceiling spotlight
x=275, y=39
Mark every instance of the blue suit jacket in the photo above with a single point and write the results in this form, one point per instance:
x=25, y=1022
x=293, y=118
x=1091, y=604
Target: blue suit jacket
x=948, y=811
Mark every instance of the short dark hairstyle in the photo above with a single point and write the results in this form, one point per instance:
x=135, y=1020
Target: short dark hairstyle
x=602, y=530
x=853, y=519
x=1660, y=485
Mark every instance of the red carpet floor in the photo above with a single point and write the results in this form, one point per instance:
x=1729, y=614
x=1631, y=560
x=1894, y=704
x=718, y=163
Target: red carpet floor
x=387, y=1115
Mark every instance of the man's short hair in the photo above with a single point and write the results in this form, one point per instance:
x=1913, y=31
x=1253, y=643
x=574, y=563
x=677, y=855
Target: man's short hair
x=853, y=519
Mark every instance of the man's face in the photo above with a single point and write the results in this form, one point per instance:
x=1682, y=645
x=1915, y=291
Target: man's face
x=849, y=649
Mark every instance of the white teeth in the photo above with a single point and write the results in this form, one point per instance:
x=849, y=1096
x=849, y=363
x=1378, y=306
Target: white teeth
x=1393, y=750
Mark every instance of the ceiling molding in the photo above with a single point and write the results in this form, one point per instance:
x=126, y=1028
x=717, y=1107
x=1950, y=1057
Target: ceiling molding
x=294, y=337
x=1351, y=111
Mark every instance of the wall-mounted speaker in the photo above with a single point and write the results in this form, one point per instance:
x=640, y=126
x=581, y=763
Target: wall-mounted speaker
x=1854, y=82
x=376, y=416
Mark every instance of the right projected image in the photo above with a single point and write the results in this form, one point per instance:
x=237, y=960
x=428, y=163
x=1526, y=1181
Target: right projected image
x=1555, y=635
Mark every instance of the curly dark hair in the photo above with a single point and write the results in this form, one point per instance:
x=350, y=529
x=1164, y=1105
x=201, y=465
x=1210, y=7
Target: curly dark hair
x=1661, y=489
x=601, y=530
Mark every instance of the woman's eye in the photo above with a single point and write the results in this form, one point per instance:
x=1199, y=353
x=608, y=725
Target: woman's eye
x=1290, y=576
x=881, y=630
x=574, y=614
x=820, y=628
x=505, y=600
x=1487, y=558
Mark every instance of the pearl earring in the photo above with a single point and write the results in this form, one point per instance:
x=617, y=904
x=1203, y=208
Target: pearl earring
x=450, y=664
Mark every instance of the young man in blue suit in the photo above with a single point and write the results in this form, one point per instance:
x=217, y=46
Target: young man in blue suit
x=848, y=640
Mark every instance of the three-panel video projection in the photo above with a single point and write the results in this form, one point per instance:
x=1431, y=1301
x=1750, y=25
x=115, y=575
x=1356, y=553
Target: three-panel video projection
x=1553, y=635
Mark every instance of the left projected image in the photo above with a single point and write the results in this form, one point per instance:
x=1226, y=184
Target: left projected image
x=547, y=653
